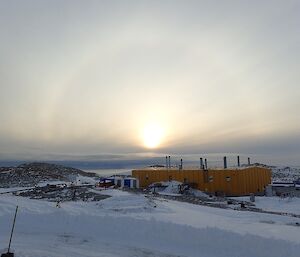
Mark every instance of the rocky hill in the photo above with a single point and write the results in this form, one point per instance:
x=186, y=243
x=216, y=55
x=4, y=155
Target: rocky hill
x=30, y=174
x=285, y=174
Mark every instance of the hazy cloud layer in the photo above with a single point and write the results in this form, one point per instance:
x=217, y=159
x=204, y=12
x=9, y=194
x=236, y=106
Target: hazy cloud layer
x=85, y=77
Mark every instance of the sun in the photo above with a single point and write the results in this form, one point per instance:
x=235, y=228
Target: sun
x=152, y=135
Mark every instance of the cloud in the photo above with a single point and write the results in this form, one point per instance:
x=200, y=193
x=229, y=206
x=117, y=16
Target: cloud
x=88, y=77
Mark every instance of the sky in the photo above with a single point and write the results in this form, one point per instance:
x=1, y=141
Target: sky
x=121, y=77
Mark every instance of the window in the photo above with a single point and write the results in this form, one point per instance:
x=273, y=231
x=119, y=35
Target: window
x=228, y=179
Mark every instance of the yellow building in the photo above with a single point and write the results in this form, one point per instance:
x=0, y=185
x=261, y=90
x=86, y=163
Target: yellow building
x=231, y=182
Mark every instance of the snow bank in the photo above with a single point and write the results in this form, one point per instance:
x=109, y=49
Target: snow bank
x=71, y=234
x=130, y=225
x=172, y=187
x=289, y=204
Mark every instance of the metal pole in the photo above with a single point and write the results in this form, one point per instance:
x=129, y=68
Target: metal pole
x=13, y=227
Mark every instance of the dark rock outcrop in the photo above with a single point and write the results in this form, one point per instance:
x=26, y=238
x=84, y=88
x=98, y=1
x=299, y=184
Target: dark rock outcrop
x=29, y=174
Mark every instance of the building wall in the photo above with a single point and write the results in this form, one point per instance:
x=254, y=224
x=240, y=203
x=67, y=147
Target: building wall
x=232, y=182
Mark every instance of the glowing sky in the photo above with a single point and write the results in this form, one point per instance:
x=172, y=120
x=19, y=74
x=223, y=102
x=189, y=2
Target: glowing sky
x=90, y=77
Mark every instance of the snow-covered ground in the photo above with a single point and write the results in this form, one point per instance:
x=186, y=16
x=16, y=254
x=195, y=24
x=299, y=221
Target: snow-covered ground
x=288, y=204
x=129, y=224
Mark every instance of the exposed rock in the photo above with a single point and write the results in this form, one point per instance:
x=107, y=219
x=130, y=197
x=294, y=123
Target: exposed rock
x=30, y=174
x=62, y=193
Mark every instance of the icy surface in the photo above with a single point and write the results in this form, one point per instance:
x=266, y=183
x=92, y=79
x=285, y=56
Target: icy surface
x=128, y=224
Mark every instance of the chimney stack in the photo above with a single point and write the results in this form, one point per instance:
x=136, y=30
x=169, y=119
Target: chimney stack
x=225, y=162
x=166, y=162
x=169, y=162
x=205, y=160
x=201, y=163
x=181, y=166
x=249, y=161
x=238, y=161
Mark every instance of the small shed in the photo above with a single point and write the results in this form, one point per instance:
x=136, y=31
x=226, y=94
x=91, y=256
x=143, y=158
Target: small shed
x=120, y=181
x=131, y=182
